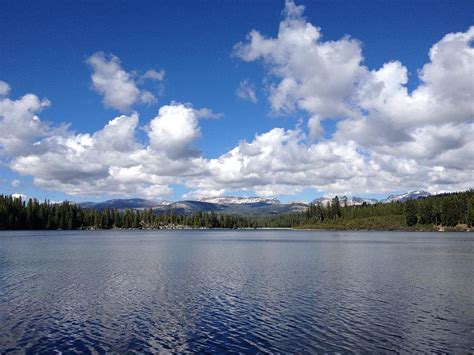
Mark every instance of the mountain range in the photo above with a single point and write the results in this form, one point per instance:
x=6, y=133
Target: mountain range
x=228, y=205
x=350, y=201
x=239, y=205
x=411, y=195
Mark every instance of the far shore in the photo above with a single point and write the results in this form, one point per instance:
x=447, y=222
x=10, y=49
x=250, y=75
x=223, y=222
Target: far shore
x=181, y=228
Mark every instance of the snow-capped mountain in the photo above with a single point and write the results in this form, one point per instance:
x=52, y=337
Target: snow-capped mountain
x=232, y=200
x=239, y=205
x=164, y=203
x=350, y=201
x=121, y=204
x=22, y=196
x=410, y=195
x=355, y=201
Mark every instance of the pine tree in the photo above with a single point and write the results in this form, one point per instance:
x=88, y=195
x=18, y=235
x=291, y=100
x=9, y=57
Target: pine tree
x=410, y=213
x=335, y=208
x=449, y=212
x=426, y=211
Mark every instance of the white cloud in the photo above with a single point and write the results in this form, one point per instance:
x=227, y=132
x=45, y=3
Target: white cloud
x=115, y=84
x=207, y=113
x=387, y=137
x=4, y=88
x=246, y=91
x=173, y=131
x=112, y=160
x=15, y=183
x=147, y=97
x=433, y=122
x=154, y=75
x=118, y=87
x=285, y=162
x=308, y=73
x=314, y=127
x=118, y=134
x=407, y=137
x=20, y=126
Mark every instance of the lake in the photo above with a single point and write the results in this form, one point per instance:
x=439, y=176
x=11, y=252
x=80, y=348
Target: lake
x=236, y=291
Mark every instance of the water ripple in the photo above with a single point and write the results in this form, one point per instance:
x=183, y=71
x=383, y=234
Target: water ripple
x=235, y=292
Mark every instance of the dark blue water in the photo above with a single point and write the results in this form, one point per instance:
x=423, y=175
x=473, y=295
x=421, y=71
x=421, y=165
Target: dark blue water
x=236, y=291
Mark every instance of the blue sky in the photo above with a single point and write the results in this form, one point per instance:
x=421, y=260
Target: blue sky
x=45, y=47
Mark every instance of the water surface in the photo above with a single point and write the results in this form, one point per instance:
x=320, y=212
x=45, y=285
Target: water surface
x=236, y=291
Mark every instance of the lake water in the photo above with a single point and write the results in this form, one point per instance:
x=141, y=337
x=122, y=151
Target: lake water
x=236, y=291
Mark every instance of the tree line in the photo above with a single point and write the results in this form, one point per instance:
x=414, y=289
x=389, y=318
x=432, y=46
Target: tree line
x=444, y=210
x=17, y=214
x=447, y=210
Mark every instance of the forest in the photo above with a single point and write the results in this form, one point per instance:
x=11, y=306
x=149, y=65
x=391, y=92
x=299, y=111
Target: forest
x=454, y=211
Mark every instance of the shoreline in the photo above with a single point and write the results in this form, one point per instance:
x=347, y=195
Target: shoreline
x=182, y=228
x=388, y=230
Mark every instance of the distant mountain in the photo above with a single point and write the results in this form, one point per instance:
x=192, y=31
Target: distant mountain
x=356, y=201
x=351, y=201
x=231, y=200
x=238, y=205
x=228, y=205
x=121, y=204
x=249, y=207
x=321, y=200
x=188, y=207
x=410, y=195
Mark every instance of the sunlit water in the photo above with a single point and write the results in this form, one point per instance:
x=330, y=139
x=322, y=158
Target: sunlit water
x=236, y=291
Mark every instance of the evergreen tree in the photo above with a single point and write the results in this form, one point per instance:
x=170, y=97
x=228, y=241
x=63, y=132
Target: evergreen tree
x=449, y=212
x=448, y=209
x=426, y=211
x=410, y=213
x=336, y=208
x=470, y=212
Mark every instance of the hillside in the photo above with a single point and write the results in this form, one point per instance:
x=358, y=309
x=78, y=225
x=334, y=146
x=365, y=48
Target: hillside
x=439, y=212
x=246, y=206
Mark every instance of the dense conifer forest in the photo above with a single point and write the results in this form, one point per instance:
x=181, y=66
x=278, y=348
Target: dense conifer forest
x=447, y=211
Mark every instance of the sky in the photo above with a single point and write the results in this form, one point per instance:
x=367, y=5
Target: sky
x=180, y=99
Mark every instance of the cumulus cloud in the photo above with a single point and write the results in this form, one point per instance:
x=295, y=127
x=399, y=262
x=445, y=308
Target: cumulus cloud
x=173, y=131
x=246, y=91
x=314, y=127
x=386, y=137
x=15, y=183
x=154, y=75
x=207, y=113
x=433, y=122
x=307, y=73
x=405, y=136
x=4, y=88
x=20, y=125
x=109, y=161
x=284, y=162
x=118, y=87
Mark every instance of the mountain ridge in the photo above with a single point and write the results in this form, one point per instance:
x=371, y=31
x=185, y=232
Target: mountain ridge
x=235, y=200
x=410, y=195
x=240, y=205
